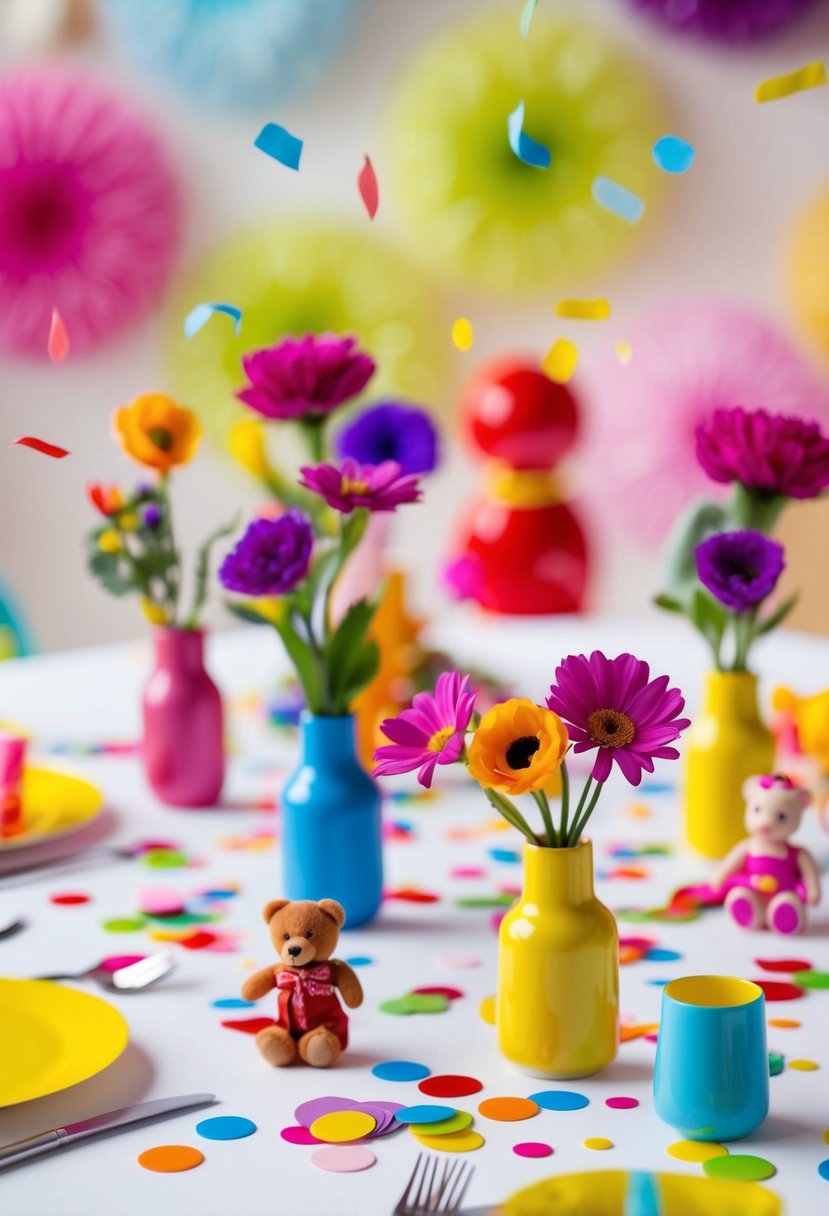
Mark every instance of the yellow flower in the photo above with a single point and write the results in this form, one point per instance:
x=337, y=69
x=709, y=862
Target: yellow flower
x=154, y=613
x=247, y=446
x=109, y=541
x=518, y=748
x=269, y=608
x=128, y=521
x=156, y=432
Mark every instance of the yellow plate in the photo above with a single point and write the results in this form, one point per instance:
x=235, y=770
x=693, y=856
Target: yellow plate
x=604, y=1193
x=54, y=804
x=53, y=1037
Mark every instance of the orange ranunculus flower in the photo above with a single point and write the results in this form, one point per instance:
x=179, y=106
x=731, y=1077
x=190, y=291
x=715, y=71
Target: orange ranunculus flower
x=518, y=748
x=157, y=432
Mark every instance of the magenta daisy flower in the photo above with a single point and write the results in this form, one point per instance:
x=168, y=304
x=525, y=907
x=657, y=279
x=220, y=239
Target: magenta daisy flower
x=305, y=377
x=613, y=705
x=430, y=732
x=378, y=487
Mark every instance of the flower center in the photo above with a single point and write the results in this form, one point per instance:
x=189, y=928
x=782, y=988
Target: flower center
x=521, y=751
x=161, y=437
x=610, y=728
x=350, y=486
x=439, y=739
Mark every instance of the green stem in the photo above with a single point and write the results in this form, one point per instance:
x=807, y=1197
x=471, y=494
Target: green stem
x=750, y=509
x=511, y=813
x=543, y=805
x=580, y=824
x=565, y=802
x=743, y=637
x=170, y=578
x=313, y=428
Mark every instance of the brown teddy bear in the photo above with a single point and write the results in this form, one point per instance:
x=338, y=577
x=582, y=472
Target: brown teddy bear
x=310, y=1022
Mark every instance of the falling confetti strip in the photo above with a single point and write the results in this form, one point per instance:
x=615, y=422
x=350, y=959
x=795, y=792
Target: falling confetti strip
x=58, y=345
x=532, y=1148
x=463, y=335
x=804, y=1065
x=696, y=1150
x=279, y=144
x=526, y=18
x=527, y=149
x=450, y=1086
x=170, y=1158
x=621, y=1103
x=778, y=991
x=808, y=77
x=584, y=310
x=367, y=186
x=458, y=1142
x=400, y=1070
x=40, y=445
x=742, y=1167
x=69, y=899
x=560, y=1099
x=225, y=1127
x=600, y=1143
x=198, y=317
x=508, y=1110
x=811, y=979
x=673, y=154
x=560, y=361
x=343, y=1159
x=612, y=197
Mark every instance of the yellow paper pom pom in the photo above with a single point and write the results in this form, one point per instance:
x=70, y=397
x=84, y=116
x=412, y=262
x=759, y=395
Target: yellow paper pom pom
x=110, y=541
x=247, y=446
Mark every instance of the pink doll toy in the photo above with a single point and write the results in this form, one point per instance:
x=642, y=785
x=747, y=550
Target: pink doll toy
x=766, y=880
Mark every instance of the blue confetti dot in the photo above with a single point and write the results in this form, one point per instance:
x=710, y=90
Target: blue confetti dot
x=560, y=1099
x=400, y=1070
x=657, y=787
x=220, y=893
x=504, y=855
x=622, y=202
x=659, y=983
x=359, y=960
x=225, y=1127
x=672, y=154
x=424, y=1114
x=823, y=1170
x=232, y=1002
x=657, y=954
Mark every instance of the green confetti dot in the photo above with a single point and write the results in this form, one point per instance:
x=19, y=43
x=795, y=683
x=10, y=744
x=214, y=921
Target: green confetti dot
x=502, y=900
x=124, y=924
x=811, y=979
x=165, y=859
x=183, y=918
x=742, y=1167
x=776, y=1063
x=416, y=1002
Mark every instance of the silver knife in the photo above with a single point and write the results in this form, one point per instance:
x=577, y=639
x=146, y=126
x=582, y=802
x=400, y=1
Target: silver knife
x=57, y=1137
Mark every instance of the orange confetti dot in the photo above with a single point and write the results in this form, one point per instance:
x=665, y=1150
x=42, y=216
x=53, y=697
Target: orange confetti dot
x=508, y=1110
x=638, y=810
x=784, y=1023
x=630, y=954
x=170, y=1158
x=626, y=1033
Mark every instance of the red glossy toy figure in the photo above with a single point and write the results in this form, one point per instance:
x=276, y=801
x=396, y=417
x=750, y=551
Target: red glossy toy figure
x=520, y=549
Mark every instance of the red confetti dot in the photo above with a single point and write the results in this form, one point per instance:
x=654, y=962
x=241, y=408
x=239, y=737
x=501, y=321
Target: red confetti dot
x=249, y=1025
x=783, y=964
x=410, y=895
x=68, y=898
x=777, y=991
x=449, y=1086
x=198, y=941
x=451, y=994
x=621, y=1103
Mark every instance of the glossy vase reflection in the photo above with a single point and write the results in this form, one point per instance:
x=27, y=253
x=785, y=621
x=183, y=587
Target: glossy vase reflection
x=557, y=1006
x=728, y=742
x=183, y=744
x=331, y=828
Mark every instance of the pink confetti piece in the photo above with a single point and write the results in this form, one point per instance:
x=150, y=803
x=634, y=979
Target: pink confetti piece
x=342, y=1158
x=40, y=445
x=451, y=994
x=115, y=961
x=621, y=1103
x=467, y=872
x=532, y=1148
x=160, y=901
x=58, y=344
x=458, y=962
x=367, y=185
x=298, y=1135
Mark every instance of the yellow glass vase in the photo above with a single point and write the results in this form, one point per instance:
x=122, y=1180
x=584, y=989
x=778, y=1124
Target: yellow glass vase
x=557, y=1006
x=728, y=742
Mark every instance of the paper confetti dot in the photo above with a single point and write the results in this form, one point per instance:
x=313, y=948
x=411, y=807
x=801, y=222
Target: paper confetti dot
x=445, y=1127
x=359, y=960
x=811, y=979
x=624, y=353
x=599, y=1143
x=232, y=1002
x=343, y=1159
x=450, y=1086
x=560, y=361
x=808, y=77
x=508, y=1110
x=740, y=1166
x=298, y=1135
x=463, y=334
x=673, y=154
x=823, y=1170
x=784, y=1023
x=804, y=1065
x=124, y=924
x=532, y=1148
x=783, y=964
x=775, y=990
x=615, y=198
x=170, y=1158
x=68, y=899
x=165, y=859
x=367, y=186
x=40, y=445
x=249, y=1025
x=342, y=1125
x=279, y=144
x=458, y=1142
x=560, y=1099
x=659, y=955
x=826, y=1136
x=467, y=872
x=400, y=1070
x=487, y=1010
x=225, y=1127
x=307, y=1112
x=415, y=1003
x=508, y=855
x=621, y=1103
x=584, y=310
x=424, y=1114
x=160, y=901
x=458, y=962
x=527, y=149
x=451, y=994
x=776, y=1063
x=696, y=1150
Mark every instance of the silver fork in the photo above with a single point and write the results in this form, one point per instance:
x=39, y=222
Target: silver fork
x=432, y=1193
x=132, y=978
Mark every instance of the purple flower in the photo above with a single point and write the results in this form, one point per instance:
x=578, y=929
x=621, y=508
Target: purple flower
x=301, y=376
x=614, y=706
x=379, y=487
x=390, y=431
x=430, y=732
x=739, y=568
x=767, y=453
x=728, y=21
x=151, y=515
x=272, y=556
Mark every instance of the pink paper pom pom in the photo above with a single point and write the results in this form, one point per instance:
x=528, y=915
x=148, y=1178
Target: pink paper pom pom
x=89, y=211
x=687, y=360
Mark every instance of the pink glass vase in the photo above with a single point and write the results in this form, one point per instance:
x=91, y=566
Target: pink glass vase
x=183, y=731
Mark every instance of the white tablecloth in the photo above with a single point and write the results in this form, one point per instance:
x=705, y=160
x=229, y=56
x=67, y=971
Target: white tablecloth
x=177, y=1044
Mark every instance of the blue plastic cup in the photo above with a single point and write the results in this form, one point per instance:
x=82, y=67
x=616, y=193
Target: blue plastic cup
x=711, y=1077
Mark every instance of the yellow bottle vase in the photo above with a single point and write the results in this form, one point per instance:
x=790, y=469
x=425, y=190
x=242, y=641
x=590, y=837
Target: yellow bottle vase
x=557, y=1006
x=728, y=742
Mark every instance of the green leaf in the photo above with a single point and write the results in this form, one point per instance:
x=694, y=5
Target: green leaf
x=113, y=572
x=203, y=569
x=709, y=617
x=701, y=520
x=355, y=675
x=245, y=613
x=777, y=617
x=306, y=665
x=668, y=603
x=349, y=634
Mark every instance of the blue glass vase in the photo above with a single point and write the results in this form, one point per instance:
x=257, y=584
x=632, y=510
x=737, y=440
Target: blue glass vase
x=331, y=829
